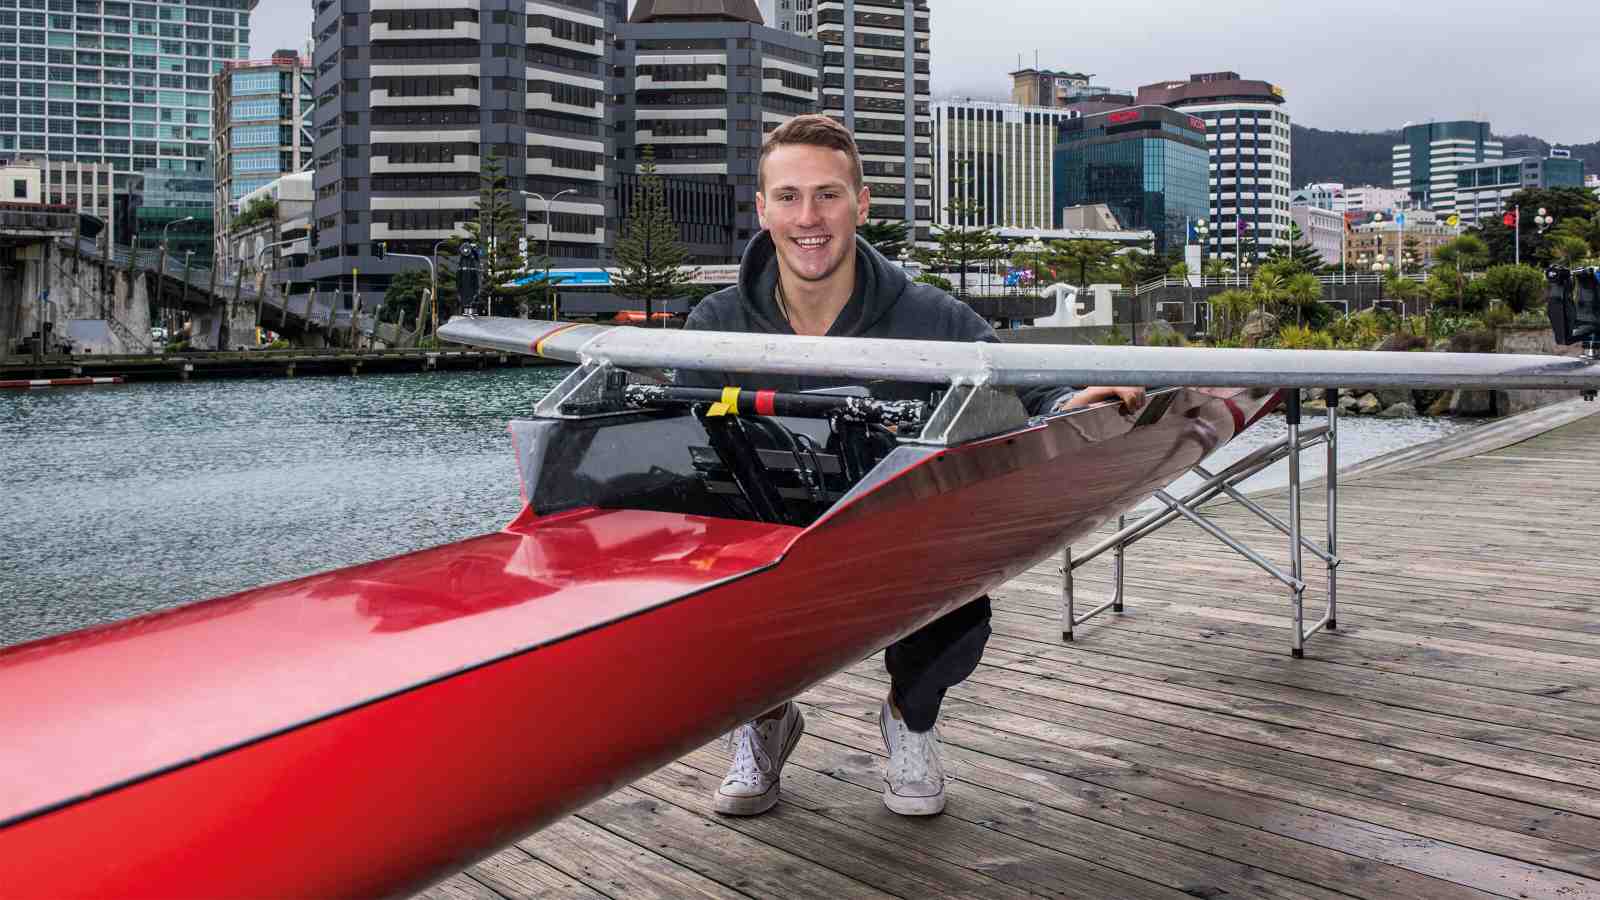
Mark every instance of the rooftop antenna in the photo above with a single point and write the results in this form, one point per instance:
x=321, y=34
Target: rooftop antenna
x=1036, y=59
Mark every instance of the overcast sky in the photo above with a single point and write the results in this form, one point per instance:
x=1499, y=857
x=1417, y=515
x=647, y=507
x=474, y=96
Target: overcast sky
x=1532, y=67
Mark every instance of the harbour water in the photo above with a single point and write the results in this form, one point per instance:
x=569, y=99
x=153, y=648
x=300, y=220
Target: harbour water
x=121, y=500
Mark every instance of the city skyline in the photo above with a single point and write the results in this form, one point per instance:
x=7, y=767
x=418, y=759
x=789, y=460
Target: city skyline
x=1339, y=69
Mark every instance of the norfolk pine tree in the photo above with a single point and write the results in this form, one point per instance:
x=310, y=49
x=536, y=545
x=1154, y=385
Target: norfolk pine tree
x=648, y=253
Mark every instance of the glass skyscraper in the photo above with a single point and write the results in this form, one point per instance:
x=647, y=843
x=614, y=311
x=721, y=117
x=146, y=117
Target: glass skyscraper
x=1147, y=163
x=127, y=84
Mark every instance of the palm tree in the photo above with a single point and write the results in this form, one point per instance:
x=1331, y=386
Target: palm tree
x=1080, y=257
x=1127, y=266
x=1304, y=290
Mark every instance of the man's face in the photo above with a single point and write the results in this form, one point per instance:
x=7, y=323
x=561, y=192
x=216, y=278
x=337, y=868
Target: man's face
x=811, y=207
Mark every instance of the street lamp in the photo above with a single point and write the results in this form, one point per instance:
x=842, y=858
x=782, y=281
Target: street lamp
x=1201, y=229
x=161, y=267
x=549, y=288
x=1034, y=248
x=1543, y=220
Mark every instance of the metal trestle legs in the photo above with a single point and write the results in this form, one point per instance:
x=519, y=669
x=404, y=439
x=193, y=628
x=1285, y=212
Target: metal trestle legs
x=1226, y=482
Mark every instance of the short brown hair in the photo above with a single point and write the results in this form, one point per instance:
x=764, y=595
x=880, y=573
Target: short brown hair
x=812, y=131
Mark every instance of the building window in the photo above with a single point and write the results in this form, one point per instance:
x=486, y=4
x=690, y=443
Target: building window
x=19, y=189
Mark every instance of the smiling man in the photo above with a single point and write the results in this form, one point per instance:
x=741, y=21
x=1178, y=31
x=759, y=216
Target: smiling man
x=808, y=273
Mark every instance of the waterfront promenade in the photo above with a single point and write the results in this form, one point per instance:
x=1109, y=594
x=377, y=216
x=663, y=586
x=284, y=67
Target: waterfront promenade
x=1445, y=742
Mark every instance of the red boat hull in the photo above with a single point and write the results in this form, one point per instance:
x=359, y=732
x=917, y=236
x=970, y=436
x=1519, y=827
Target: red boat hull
x=368, y=731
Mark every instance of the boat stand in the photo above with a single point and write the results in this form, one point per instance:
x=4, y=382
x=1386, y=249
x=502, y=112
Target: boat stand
x=1226, y=482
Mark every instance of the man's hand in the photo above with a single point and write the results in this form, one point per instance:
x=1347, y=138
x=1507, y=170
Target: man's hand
x=1132, y=398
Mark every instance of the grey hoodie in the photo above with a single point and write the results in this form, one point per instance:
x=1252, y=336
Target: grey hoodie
x=885, y=304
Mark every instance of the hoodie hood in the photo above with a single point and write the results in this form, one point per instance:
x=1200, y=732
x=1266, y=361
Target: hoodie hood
x=879, y=286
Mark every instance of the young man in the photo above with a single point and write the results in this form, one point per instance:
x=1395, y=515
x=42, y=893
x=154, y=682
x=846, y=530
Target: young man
x=808, y=273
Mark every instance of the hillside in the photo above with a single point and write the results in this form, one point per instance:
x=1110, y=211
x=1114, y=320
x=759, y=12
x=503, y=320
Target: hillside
x=1364, y=157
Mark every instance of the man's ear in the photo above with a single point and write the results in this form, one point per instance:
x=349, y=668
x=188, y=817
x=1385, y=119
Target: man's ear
x=863, y=204
x=761, y=208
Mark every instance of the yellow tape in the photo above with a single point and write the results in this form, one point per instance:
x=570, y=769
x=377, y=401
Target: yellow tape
x=728, y=405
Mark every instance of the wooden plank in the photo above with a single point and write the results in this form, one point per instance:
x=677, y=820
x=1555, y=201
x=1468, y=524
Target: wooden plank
x=1121, y=763
x=1295, y=841
x=617, y=867
x=1127, y=831
x=712, y=849
x=515, y=875
x=459, y=886
x=833, y=824
x=1320, y=687
x=1114, y=732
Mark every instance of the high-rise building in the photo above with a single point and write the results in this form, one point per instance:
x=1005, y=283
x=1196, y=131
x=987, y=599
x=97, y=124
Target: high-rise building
x=411, y=102
x=875, y=80
x=123, y=84
x=1066, y=91
x=1428, y=155
x=175, y=207
x=261, y=111
x=1367, y=198
x=786, y=15
x=702, y=90
x=1147, y=163
x=1483, y=188
x=1247, y=131
x=994, y=164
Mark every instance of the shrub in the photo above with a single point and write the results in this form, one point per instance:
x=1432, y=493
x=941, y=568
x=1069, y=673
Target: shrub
x=1533, y=317
x=1304, y=337
x=1114, y=338
x=1166, y=338
x=1478, y=340
x=1404, y=341
x=1519, y=286
x=943, y=284
x=279, y=344
x=1497, y=315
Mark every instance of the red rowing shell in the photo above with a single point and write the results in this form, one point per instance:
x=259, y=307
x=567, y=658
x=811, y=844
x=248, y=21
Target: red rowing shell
x=370, y=730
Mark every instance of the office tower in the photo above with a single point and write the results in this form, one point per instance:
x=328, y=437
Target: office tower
x=702, y=89
x=875, y=80
x=994, y=164
x=122, y=84
x=1147, y=163
x=411, y=102
x=1428, y=155
x=1247, y=131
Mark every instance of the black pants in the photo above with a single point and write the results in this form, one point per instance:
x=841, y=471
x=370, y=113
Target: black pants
x=934, y=658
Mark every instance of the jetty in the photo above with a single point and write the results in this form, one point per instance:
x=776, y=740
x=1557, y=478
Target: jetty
x=1443, y=742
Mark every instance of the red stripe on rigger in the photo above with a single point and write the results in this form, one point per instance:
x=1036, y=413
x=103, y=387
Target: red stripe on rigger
x=764, y=402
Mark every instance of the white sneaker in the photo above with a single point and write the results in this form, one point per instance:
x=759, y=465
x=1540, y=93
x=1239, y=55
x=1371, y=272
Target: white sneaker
x=914, y=779
x=759, y=752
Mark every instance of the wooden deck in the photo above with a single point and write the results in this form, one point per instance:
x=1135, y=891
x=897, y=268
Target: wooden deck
x=1444, y=743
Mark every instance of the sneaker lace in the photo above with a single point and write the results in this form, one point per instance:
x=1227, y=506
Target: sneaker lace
x=750, y=758
x=918, y=759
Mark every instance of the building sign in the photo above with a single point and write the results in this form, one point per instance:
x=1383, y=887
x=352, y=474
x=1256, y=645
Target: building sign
x=1126, y=115
x=1197, y=123
x=1276, y=91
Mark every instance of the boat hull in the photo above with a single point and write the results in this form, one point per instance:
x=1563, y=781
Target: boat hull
x=585, y=649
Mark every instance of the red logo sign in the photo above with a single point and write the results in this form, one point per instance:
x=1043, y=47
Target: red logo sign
x=1127, y=115
x=1197, y=124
